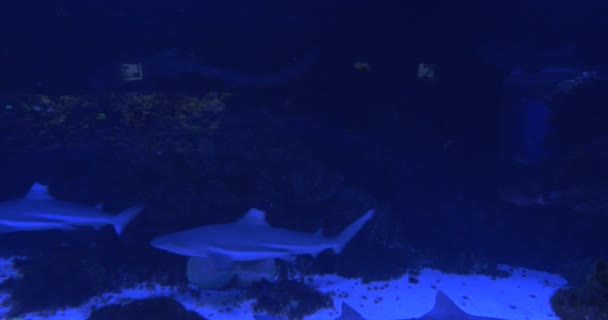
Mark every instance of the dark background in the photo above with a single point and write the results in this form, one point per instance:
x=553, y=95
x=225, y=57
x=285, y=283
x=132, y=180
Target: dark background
x=52, y=47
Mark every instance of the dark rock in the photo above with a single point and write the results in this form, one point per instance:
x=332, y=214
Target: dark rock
x=157, y=308
x=288, y=298
x=586, y=302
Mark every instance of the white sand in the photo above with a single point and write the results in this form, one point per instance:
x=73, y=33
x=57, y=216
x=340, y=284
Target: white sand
x=523, y=296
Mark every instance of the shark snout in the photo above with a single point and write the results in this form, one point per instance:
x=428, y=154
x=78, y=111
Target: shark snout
x=158, y=243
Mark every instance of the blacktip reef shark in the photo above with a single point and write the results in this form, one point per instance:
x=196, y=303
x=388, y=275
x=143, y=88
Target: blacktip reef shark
x=444, y=309
x=37, y=210
x=171, y=64
x=252, y=238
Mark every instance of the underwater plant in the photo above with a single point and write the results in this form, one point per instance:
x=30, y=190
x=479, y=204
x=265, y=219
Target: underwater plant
x=588, y=301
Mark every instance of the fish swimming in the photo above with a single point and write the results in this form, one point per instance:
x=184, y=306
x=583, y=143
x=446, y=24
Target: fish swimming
x=170, y=65
x=252, y=238
x=444, y=309
x=37, y=210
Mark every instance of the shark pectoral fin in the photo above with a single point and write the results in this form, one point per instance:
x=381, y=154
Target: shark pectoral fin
x=38, y=192
x=289, y=259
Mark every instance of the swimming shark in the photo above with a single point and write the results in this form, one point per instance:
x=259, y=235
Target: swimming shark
x=37, y=210
x=252, y=238
x=170, y=64
x=444, y=309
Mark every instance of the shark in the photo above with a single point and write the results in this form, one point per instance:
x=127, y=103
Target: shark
x=170, y=64
x=38, y=210
x=444, y=309
x=251, y=238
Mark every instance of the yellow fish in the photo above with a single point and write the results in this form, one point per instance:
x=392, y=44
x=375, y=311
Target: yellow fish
x=362, y=66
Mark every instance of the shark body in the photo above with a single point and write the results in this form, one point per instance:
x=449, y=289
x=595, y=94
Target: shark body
x=37, y=210
x=251, y=238
x=171, y=65
x=444, y=309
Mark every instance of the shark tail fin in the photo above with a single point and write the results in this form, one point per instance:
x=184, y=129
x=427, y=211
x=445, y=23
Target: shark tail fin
x=345, y=236
x=122, y=219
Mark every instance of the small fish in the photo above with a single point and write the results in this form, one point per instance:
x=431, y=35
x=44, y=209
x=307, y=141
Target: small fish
x=37, y=210
x=362, y=66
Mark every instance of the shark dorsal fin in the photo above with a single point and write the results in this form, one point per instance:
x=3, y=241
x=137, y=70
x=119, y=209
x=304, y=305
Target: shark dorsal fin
x=444, y=306
x=254, y=217
x=38, y=192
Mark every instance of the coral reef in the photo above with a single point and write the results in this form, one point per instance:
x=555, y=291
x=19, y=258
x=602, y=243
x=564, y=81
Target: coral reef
x=290, y=298
x=97, y=262
x=155, y=122
x=586, y=302
x=252, y=159
x=158, y=308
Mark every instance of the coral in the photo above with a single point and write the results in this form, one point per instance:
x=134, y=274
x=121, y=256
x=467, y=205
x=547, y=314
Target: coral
x=59, y=261
x=156, y=308
x=290, y=298
x=153, y=122
x=586, y=302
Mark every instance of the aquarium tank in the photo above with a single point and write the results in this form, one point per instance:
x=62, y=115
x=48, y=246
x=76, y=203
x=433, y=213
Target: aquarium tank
x=319, y=160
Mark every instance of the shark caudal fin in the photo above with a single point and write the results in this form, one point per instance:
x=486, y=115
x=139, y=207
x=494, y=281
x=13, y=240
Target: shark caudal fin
x=345, y=236
x=122, y=219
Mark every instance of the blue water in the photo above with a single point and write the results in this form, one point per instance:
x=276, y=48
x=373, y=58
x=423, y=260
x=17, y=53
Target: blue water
x=313, y=113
